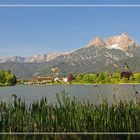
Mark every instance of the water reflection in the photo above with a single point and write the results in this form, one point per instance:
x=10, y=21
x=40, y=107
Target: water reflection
x=70, y=137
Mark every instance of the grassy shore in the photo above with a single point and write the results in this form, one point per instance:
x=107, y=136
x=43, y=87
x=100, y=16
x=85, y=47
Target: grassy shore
x=79, y=83
x=70, y=115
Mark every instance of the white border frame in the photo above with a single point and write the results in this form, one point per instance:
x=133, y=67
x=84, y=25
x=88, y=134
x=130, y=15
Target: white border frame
x=68, y=6
x=71, y=133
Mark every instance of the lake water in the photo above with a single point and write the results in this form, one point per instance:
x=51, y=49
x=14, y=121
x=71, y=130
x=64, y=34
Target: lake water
x=90, y=92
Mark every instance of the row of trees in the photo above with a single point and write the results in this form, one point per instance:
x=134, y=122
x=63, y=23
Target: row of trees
x=7, y=78
x=105, y=77
x=93, y=78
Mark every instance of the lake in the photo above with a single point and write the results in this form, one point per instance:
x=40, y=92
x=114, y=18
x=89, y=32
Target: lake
x=90, y=92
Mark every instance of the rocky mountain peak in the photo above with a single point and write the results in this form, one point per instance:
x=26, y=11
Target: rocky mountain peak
x=124, y=34
x=33, y=59
x=96, y=42
x=53, y=55
x=122, y=41
x=99, y=55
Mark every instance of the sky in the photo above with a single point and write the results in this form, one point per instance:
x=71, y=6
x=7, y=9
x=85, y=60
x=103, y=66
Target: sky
x=27, y=31
x=69, y=1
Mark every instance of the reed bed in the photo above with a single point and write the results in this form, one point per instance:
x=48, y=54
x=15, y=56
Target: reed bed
x=69, y=115
x=70, y=137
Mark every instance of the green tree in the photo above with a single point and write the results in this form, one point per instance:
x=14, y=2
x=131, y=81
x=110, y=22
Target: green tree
x=7, y=72
x=92, y=78
x=115, y=77
x=106, y=74
x=101, y=78
x=79, y=78
x=11, y=79
x=7, y=78
x=137, y=77
x=86, y=78
x=107, y=77
x=2, y=77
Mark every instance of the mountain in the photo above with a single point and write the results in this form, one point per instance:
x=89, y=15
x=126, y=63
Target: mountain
x=122, y=42
x=101, y=54
x=98, y=55
x=33, y=59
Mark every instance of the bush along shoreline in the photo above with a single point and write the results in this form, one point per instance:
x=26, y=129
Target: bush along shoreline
x=106, y=78
x=69, y=115
x=7, y=78
x=88, y=78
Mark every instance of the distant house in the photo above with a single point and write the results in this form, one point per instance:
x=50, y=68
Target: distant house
x=70, y=77
x=56, y=79
x=45, y=79
x=65, y=79
x=126, y=74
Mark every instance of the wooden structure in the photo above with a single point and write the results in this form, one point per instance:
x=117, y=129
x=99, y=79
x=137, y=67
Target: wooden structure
x=126, y=73
x=46, y=79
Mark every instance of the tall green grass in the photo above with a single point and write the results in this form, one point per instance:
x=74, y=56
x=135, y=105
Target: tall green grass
x=69, y=115
x=69, y=137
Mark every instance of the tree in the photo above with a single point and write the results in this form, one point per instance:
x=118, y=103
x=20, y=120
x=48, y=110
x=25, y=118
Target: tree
x=7, y=78
x=106, y=74
x=86, y=78
x=2, y=77
x=11, y=79
x=79, y=77
x=101, y=78
x=70, y=77
x=116, y=75
x=107, y=77
x=90, y=78
x=137, y=77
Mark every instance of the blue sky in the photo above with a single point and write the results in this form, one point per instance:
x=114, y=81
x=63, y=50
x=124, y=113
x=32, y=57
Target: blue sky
x=69, y=1
x=31, y=31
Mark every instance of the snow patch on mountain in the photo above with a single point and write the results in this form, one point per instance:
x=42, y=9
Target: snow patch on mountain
x=114, y=46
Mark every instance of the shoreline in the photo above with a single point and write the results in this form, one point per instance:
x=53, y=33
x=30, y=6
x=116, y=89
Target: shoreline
x=79, y=84
x=72, y=84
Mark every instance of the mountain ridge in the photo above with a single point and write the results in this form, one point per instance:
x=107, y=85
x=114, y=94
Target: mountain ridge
x=33, y=59
x=122, y=42
x=97, y=56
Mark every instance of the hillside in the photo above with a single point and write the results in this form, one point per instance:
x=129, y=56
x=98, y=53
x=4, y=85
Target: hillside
x=98, y=55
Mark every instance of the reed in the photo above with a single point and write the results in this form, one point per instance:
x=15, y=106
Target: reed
x=69, y=114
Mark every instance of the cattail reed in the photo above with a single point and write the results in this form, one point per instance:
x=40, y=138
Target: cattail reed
x=69, y=115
